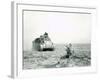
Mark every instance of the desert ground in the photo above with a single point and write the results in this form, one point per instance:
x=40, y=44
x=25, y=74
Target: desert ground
x=81, y=56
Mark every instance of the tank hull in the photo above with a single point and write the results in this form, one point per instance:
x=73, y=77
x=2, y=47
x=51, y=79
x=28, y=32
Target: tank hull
x=46, y=46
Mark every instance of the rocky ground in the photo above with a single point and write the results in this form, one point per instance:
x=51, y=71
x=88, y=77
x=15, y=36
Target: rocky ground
x=52, y=59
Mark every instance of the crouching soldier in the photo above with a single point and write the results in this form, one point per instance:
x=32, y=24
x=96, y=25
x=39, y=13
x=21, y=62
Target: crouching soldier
x=64, y=60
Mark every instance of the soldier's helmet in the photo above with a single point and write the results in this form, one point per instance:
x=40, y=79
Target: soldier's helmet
x=41, y=36
x=45, y=33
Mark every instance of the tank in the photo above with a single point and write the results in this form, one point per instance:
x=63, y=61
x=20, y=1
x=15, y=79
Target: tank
x=43, y=43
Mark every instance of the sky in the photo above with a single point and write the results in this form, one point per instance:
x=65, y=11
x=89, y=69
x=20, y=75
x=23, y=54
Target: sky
x=61, y=27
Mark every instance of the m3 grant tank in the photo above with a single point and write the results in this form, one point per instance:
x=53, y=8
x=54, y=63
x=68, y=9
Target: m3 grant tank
x=43, y=43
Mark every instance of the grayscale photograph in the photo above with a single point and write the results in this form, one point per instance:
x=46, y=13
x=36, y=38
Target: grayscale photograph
x=56, y=39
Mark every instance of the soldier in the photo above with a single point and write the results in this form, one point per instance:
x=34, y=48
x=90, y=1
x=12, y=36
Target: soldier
x=42, y=39
x=46, y=37
x=68, y=50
